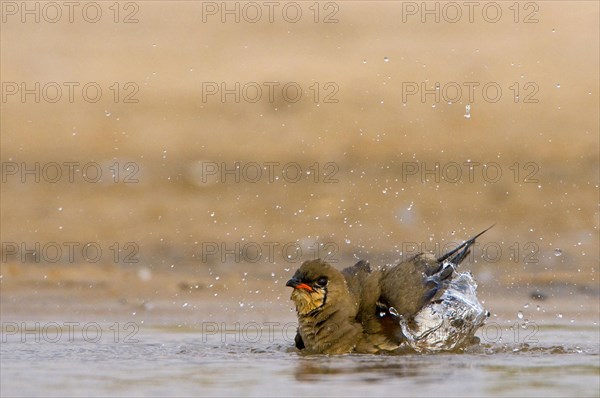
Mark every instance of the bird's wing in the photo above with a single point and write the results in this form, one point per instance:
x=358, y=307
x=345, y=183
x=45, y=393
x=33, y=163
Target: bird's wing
x=410, y=285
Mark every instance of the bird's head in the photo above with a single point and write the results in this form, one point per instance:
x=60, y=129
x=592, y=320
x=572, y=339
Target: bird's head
x=315, y=284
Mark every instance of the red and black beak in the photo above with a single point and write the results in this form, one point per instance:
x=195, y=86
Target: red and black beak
x=298, y=284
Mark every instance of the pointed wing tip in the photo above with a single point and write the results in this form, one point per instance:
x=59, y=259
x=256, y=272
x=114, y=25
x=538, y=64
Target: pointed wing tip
x=465, y=245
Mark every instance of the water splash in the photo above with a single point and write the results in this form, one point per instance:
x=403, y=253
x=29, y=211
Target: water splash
x=467, y=112
x=450, y=322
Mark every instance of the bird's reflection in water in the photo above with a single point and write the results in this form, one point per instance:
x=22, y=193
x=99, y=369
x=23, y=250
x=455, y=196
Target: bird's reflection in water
x=358, y=368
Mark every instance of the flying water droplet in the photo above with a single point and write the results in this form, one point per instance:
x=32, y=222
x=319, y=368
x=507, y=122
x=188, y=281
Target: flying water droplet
x=557, y=252
x=520, y=315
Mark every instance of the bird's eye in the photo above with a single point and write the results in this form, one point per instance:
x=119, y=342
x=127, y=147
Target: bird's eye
x=322, y=281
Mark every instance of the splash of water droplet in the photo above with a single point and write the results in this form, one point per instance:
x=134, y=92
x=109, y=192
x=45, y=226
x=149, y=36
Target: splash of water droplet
x=467, y=112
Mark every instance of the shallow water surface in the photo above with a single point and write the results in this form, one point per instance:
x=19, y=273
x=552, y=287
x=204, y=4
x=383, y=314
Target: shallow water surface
x=170, y=361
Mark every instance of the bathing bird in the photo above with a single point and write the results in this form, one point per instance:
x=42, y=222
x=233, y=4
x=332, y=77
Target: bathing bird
x=422, y=303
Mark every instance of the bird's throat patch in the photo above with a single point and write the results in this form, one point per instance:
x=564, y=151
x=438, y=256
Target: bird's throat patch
x=308, y=301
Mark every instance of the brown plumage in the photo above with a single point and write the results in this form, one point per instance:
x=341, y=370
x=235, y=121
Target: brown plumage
x=369, y=311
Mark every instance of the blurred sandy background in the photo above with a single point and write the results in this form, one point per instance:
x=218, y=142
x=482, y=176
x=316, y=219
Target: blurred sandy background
x=371, y=212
